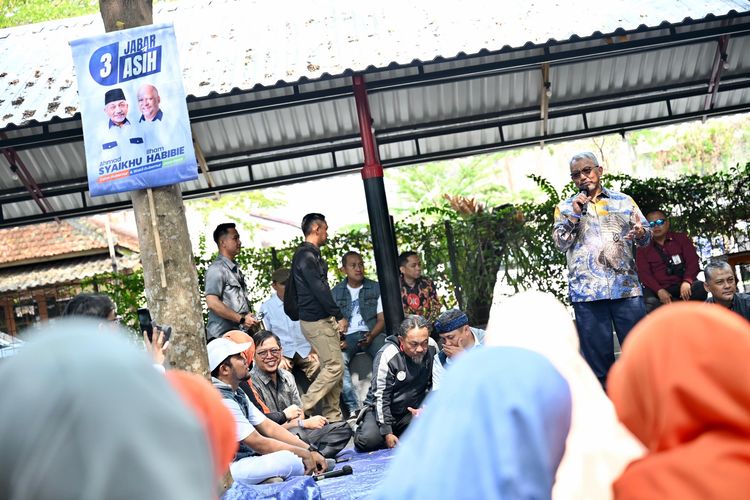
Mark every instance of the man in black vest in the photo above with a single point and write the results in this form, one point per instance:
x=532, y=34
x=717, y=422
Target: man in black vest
x=266, y=449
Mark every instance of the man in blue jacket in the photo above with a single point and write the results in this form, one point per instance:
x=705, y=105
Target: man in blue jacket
x=359, y=299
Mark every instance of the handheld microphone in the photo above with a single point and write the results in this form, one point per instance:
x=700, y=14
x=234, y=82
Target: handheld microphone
x=585, y=191
x=345, y=471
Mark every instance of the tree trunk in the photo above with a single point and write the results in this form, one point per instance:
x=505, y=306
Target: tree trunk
x=130, y=13
x=178, y=304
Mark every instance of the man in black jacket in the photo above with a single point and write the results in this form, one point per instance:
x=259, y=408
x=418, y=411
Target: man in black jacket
x=401, y=379
x=321, y=320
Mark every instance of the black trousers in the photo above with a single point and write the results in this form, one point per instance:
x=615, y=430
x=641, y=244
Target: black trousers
x=697, y=292
x=368, y=437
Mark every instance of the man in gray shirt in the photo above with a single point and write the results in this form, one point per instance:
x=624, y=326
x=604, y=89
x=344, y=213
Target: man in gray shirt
x=226, y=292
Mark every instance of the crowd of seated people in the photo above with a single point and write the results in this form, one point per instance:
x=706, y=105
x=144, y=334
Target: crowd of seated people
x=515, y=410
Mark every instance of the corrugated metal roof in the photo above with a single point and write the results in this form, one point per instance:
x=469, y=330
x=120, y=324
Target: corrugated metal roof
x=227, y=45
x=429, y=99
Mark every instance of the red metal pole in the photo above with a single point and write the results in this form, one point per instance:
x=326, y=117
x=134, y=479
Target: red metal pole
x=381, y=228
x=372, y=167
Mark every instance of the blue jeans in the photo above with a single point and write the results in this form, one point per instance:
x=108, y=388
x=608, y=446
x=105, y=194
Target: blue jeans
x=594, y=321
x=349, y=393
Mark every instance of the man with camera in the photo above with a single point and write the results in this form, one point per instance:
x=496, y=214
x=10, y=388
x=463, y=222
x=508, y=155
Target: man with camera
x=226, y=291
x=668, y=266
x=596, y=229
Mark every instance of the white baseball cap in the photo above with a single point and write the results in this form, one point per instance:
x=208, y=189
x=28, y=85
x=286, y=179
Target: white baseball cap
x=221, y=349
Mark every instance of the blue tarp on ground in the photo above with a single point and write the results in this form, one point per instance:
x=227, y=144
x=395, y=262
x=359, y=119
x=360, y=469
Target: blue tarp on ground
x=367, y=469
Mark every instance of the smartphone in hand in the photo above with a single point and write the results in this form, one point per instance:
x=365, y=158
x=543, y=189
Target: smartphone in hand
x=146, y=324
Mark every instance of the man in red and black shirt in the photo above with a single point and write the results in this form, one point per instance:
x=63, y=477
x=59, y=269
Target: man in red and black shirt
x=668, y=266
x=418, y=293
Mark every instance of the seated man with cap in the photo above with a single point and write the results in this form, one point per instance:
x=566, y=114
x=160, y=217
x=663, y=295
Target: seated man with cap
x=266, y=449
x=456, y=337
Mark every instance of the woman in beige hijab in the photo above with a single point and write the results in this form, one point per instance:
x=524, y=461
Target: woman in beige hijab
x=84, y=416
x=598, y=447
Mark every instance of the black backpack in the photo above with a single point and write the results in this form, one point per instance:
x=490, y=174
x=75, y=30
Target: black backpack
x=291, y=307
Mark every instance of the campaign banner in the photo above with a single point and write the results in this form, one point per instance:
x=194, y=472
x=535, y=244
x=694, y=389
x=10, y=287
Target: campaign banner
x=136, y=128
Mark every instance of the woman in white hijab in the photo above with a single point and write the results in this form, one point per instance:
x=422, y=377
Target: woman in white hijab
x=84, y=416
x=598, y=447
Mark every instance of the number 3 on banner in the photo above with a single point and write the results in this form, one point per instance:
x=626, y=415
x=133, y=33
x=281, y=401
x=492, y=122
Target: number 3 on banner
x=106, y=61
x=103, y=64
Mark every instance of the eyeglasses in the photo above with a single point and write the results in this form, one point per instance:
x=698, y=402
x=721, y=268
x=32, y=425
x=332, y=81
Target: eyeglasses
x=268, y=353
x=657, y=222
x=584, y=171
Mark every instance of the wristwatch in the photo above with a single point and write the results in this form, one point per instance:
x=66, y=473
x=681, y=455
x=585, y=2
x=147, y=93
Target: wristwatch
x=242, y=320
x=313, y=448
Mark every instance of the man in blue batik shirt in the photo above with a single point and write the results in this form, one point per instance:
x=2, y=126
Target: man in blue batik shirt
x=596, y=229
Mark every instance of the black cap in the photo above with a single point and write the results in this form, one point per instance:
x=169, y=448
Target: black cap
x=114, y=95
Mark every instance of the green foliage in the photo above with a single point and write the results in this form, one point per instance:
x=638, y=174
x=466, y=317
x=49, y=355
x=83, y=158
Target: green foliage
x=237, y=207
x=424, y=185
x=20, y=12
x=693, y=148
x=125, y=290
x=709, y=205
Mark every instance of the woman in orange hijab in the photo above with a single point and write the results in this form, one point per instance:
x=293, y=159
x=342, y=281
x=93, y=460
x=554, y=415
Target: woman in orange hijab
x=205, y=401
x=681, y=386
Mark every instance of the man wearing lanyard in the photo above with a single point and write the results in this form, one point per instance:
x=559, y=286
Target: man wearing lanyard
x=668, y=266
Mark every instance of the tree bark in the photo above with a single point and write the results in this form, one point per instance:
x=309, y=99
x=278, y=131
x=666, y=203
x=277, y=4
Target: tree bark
x=130, y=13
x=178, y=304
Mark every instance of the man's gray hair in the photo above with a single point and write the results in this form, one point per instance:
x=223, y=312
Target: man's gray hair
x=586, y=155
x=716, y=265
x=411, y=322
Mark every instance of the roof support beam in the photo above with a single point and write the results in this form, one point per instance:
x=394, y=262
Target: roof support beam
x=18, y=168
x=413, y=134
x=423, y=78
x=394, y=162
x=720, y=64
x=546, y=93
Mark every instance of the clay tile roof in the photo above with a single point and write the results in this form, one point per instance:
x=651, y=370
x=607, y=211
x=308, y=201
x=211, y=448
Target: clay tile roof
x=57, y=273
x=68, y=238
